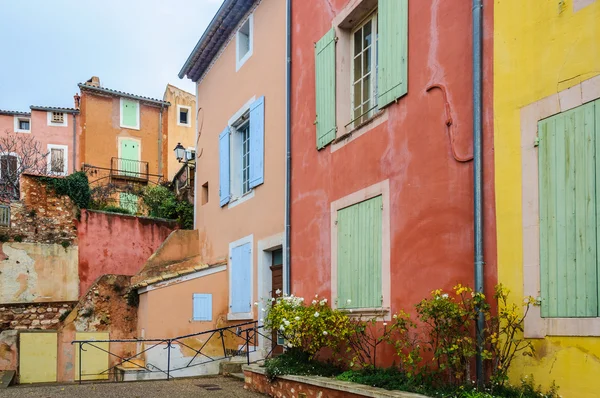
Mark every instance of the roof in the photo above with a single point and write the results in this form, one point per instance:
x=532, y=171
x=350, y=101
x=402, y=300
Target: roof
x=214, y=37
x=53, y=109
x=14, y=113
x=117, y=93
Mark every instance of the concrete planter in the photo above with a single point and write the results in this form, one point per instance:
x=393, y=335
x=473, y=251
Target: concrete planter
x=313, y=386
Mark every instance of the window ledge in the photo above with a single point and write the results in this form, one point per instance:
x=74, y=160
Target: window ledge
x=378, y=118
x=240, y=316
x=380, y=312
x=241, y=199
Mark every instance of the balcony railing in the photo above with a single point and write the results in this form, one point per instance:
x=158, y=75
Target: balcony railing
x=129, y=169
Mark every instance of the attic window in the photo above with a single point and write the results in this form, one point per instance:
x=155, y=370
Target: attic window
x=244, y=42
x=58, y=117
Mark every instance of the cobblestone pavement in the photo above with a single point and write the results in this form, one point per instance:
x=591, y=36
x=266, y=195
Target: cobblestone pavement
x=182, y=388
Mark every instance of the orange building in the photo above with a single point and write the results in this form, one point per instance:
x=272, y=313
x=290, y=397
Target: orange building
x=123, y=138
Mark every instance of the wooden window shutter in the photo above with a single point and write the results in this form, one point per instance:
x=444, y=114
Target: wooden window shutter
x=325, y=89
x=359, y=232
x=392, y=50
x=202, y=307
x=257, y=142
x=224, y=192
x=568, y=221
x=241, y=279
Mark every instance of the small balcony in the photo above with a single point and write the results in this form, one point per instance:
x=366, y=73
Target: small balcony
x=127, y=169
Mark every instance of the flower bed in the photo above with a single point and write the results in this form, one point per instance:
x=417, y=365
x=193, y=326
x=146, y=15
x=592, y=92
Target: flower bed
x=313, y=386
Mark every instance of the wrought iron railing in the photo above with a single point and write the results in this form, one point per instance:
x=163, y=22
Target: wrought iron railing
x=244, y=337
x=129, y=169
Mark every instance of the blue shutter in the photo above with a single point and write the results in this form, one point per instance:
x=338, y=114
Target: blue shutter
x=224, y=194
x=241, y=288
x=202, y=307
x=257, y=142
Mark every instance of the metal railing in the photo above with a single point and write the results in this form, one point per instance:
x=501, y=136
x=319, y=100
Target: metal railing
x=4, y=216
x=245, y=333
x=128, y=169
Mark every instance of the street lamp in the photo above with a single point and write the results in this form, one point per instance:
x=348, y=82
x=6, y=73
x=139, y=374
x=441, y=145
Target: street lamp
x=179, y=152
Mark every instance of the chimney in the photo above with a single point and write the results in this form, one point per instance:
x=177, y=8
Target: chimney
x=77, y=100
x=94, y=81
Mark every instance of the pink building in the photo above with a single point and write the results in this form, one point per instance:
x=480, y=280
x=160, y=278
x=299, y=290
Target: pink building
x=51, y=132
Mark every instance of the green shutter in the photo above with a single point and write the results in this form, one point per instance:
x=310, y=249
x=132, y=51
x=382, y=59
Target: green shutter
x=129, y=113
x=359, y=255
x=325, y=88
x=392, y=51
x=568, y=221
x=129, y=202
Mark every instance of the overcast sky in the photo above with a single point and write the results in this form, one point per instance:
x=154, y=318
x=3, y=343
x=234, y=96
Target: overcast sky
x=137, y=46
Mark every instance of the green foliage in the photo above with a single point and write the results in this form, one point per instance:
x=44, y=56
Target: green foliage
x=4, y=238
x=163, y=203
x=115, y=209
x=133, y=299
x=390, y=378
x=65, y=244
x=75, y=186
x=18, y=238
x=64, y=316
x=312, y=326
x=298, y=362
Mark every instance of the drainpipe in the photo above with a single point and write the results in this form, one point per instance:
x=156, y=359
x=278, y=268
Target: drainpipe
x=74, y=143
x=477, y=180
x=160, y=149
x=287, y=285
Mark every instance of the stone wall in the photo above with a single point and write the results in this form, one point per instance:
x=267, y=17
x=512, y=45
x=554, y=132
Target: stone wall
x=33, y=315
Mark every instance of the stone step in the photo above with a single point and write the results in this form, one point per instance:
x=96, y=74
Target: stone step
x=230, y=367
x=238, y=376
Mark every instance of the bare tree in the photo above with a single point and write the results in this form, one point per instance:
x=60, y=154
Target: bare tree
x=22, y=153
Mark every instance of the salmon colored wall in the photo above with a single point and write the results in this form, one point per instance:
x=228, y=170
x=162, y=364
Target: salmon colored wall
x=541, y=50
x=166, y=312
x=45, y=134
x=431, y=194
x=221, y=93
x=101, y=131
x=185, y=135
x=116, y=244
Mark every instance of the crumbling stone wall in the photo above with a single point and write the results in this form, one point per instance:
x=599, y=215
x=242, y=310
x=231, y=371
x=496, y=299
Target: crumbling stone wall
x=40, y=316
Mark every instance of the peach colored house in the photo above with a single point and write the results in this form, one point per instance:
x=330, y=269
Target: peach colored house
x=182, y=125
x=55, y=129
x=240, y=175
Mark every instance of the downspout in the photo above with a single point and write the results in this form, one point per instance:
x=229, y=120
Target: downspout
x=160, y=140
x=477, y=178
x=74, y=142
x=287, y=285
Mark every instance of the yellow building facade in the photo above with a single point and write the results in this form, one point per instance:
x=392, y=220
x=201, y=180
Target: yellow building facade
x=547, y=72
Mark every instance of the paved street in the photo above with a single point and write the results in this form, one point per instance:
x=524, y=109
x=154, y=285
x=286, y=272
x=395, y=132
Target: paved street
x=198, y=387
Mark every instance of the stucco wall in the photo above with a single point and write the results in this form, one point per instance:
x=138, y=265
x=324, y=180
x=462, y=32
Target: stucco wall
x=112, y=243
x=183, y=134
x=221, y=93
x=100, y=118
x=541, y=49
x=430, y=193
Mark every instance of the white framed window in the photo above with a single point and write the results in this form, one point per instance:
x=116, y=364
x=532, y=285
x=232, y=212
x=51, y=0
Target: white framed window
x=57, y=159
x=130, y=113
x=22, y=124
x=183, y=115
x=364, y=70
x=241, y=279
x=243, y=42
x=57, y=119
x=240, y=157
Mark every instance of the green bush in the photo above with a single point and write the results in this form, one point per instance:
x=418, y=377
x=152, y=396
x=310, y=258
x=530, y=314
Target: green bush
x=298, y=362
x=76, y=186
x=116, y=209
x=163, y=203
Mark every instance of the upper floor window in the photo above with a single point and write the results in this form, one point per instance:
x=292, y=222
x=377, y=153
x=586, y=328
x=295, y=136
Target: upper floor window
x=130, y=113
x=183, y=115
x=241, y=153
x=9, y=164
x=57, y=159
x=57, y=119
x=243, y=42
x=376, y=76
x=22, y=124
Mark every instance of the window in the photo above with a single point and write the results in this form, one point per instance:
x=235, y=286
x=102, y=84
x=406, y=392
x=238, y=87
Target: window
x=58, y=117
x=57, y=159
x=241, y=154
x=244, y=42
x=183, y=115
x=22, y=124
x=569, y=204
x=240, y=279
x=364, y=69
x=128, y=201
x=202, y=307
x=130, y=113
x=205, y=193
x=9, y=164
x=373, y=35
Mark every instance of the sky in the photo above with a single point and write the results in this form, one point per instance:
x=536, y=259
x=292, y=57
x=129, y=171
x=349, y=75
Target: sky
x=47, y=47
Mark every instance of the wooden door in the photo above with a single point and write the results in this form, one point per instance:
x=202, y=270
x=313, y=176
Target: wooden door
x=276, y=284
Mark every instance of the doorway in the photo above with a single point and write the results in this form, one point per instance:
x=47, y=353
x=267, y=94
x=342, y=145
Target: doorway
x=276, y=285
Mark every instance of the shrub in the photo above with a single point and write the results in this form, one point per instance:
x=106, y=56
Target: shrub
x=18, y=238
x=75, y=186
x=116, y=209
x=163, y=203
x=298, y=362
